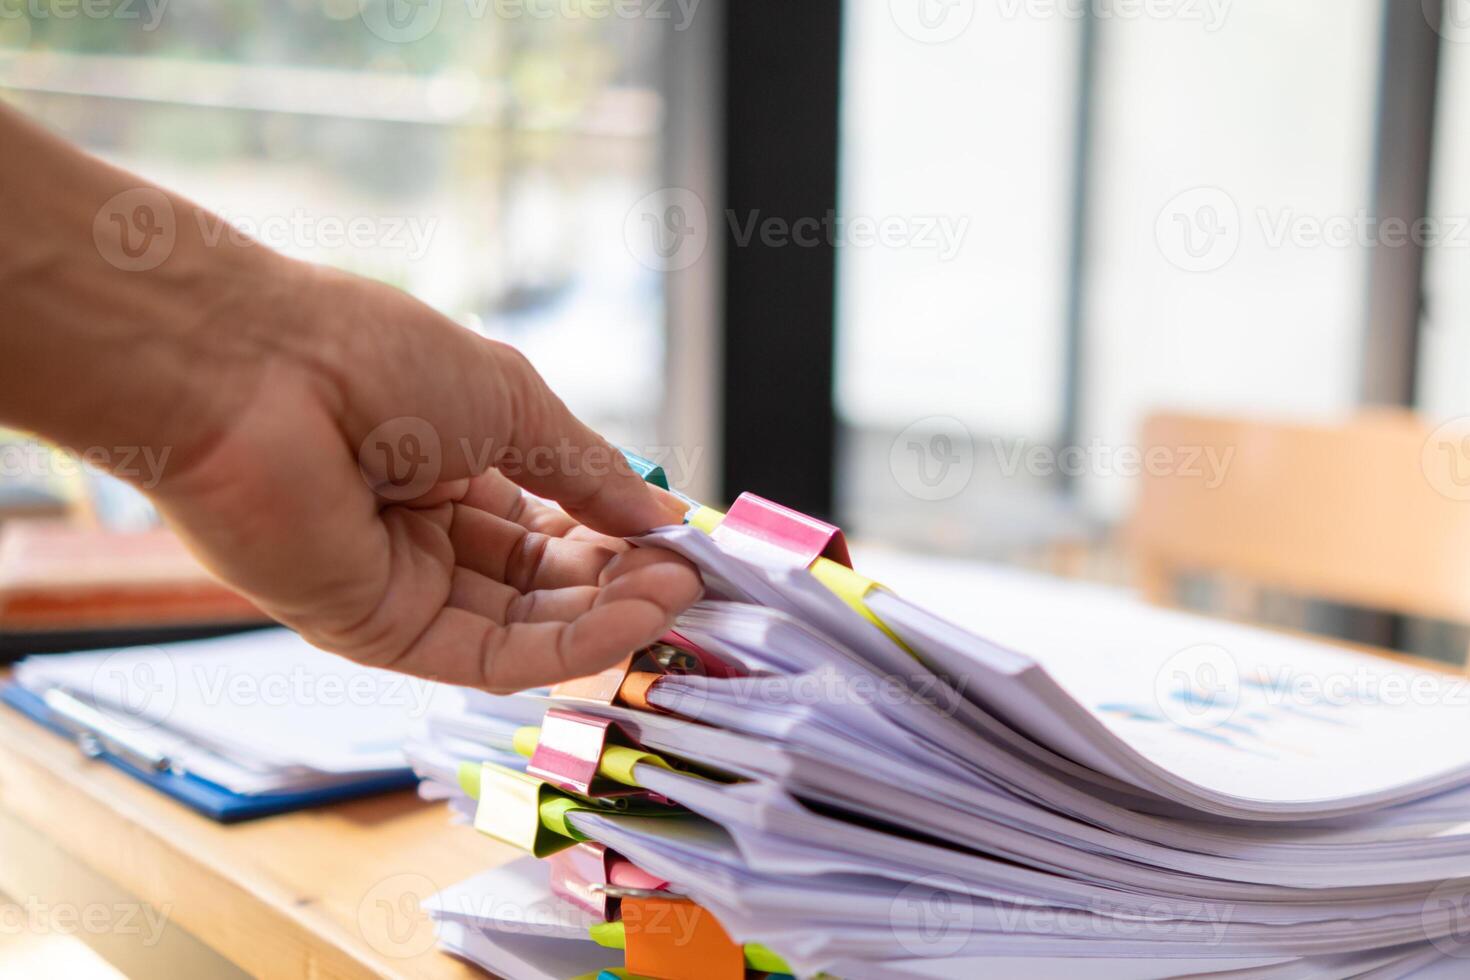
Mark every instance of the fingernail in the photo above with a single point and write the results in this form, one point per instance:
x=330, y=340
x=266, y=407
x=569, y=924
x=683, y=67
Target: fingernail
x=673, y=507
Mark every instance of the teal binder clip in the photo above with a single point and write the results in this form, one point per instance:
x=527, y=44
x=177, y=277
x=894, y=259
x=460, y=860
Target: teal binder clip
x=650, y=471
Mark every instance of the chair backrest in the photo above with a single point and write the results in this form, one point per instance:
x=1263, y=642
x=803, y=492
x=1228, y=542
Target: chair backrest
x=1374, y=512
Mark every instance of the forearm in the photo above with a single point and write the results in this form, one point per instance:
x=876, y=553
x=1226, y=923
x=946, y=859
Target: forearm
x=114, y=309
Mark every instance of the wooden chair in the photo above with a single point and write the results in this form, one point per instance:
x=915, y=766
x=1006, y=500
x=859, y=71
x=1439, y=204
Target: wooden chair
x=1374, y=512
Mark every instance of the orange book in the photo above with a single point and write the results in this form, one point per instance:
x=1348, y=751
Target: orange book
x=58, y=576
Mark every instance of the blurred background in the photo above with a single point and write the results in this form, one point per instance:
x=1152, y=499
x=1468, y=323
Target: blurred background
x=922, y=267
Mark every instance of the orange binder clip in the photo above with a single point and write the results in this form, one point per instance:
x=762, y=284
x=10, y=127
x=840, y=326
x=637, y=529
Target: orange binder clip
x=599, y=688
x=629, y=680
x=674, y=939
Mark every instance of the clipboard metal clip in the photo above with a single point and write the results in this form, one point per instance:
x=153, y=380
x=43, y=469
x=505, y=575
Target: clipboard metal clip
x=96, y=734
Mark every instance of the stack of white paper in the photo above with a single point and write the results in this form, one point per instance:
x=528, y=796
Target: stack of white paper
x=254, y=713
x=1051, y=780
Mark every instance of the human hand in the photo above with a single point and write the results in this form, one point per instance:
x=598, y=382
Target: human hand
x=343, y=455
x=343, y=476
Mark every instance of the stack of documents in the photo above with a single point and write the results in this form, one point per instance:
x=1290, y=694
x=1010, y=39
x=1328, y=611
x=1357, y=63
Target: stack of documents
x=238, y=726
x=815, y=773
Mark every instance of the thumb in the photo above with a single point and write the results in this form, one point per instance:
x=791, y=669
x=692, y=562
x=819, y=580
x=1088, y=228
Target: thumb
x=420, y=389
x=551, y=453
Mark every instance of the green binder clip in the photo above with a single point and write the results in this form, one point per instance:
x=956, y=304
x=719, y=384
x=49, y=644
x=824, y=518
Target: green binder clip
x=525, y=812
x=531, y=814
x=650, y=471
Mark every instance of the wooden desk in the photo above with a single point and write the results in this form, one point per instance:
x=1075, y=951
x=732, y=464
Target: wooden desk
x=330, y=892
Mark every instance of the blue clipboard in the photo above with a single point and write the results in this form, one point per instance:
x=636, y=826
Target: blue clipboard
x=211, y=799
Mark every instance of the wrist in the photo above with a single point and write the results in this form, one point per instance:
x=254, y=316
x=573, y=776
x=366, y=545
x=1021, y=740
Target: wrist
x=120, y=314
x=156, y=360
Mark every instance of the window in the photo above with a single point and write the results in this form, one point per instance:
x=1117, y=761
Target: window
x=1444, y=357
x=1232, y=167
x=957, y=156
x=1228, y=177
x=484, y=159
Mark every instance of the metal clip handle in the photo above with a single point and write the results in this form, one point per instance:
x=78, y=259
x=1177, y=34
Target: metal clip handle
x=96, y=733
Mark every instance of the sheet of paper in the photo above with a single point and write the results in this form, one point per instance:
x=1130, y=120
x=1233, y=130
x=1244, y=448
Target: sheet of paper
x=513, y=898
x=264, y=696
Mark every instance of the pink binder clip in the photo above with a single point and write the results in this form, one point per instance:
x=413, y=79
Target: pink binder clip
x=763, y=528
x=575, y=871
x=582, y=874
x=569, y=750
